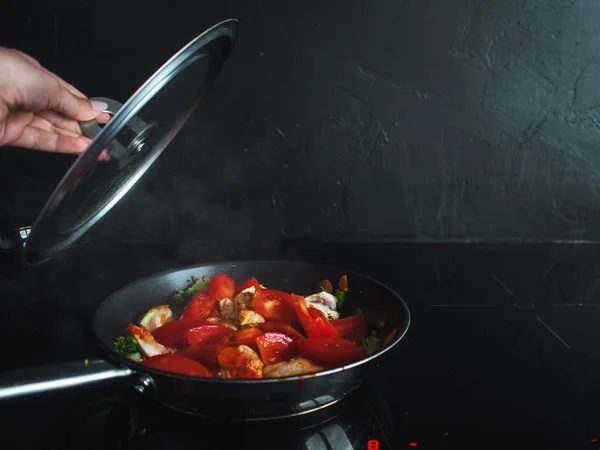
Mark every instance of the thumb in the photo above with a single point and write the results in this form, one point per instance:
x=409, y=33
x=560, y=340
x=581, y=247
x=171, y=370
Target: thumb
x=75, y=107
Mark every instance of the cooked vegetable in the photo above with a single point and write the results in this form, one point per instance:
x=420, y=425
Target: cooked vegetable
x=220, y=287
x=199, y=307
x=126, y=345
x=248, y=284
x=352, y=328
x=156, y=317
x=340, y=296
x=274, y=305
x=172, y=334
x=137, y=357
x=371, y=343
x=179, y=299
x=281, y=327
x=313, y=321
x=390, y=336
x=325, y=286
x=177, y=364
x=295, y=366
x=276, y=347
x=330, y=353
x=324, y=302
x=343, y=284
x=216, y=328
x=148, y=345
x=206, y=354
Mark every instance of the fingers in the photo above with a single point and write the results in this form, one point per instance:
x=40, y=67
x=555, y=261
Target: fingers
x=32, y=60
x=73, y=106
x=39, y=139
x=103, y=118
x=43, y=124
x=58, y=121
x=62, y=82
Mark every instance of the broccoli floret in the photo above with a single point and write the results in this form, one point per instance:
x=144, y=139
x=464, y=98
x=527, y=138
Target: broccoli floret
x=371, y=343
x=340, y=296
x=126, y=345
x=137, y=357
x=199, y=285
x=179, y=299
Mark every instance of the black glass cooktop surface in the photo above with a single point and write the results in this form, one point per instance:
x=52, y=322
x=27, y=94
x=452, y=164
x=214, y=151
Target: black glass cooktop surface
x=503, y=352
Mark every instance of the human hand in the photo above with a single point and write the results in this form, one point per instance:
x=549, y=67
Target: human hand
x=39, y=110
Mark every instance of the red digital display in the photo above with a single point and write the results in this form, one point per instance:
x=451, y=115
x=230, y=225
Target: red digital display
x=373, y=444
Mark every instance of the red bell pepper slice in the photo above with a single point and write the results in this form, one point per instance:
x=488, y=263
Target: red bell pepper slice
x=203, y=353
x=205, y=332
x=330, y=353
x=281, y=327
x=177, y=364
x=172, y=334
x=274, y=305
x=276, y=347
x=252, y=282
x=221, y=286
x=352, y=328
x=313, y=321
x=199, y=307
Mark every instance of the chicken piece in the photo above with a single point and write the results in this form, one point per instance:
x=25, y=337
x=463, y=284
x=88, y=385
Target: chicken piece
x=228, y=309
x=147, y=343
x=156, y=317
x=250, y=317
x=244, y=298
x=240, y=362
x=324, y=302
x=219, y=321
x=295, y=366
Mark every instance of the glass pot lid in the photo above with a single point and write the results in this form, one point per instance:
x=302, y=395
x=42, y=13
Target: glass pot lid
x=135, y=136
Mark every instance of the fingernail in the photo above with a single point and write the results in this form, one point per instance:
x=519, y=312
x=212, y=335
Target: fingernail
x=99, y=105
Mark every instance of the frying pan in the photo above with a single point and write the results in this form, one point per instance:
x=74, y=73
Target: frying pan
x=218, y=398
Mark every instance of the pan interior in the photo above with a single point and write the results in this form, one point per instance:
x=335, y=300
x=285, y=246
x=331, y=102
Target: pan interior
x=378, y=302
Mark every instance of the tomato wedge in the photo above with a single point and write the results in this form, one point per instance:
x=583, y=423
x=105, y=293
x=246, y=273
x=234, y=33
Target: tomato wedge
x=177, y=364
x=234, y=338
x=252, y=282
x=246, y=337
x=199, y=307
x=203, y=353
x=221, y=286
x=273, y=305
x=281, y=327
x=172, y=334
x=276, y=347
x=330, y=353
x=352, y=328
x=313, y=321
x=205, y=332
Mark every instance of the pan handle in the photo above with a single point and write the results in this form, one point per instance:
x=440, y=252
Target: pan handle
x=58, y=377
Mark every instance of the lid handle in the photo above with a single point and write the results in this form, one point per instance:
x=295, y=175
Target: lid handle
x=130, y=141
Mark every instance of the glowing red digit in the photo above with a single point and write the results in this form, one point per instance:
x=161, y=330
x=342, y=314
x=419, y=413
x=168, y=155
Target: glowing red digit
x=373, y=444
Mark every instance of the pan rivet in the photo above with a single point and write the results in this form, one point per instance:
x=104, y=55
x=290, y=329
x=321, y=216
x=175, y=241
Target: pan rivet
x=144, y=384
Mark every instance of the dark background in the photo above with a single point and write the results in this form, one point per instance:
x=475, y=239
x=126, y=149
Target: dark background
x=356, y=121
x=409, y=119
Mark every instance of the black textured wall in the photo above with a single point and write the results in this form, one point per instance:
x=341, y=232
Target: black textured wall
x=426, y=119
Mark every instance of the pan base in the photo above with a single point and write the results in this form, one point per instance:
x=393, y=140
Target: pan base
x=301, y=409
